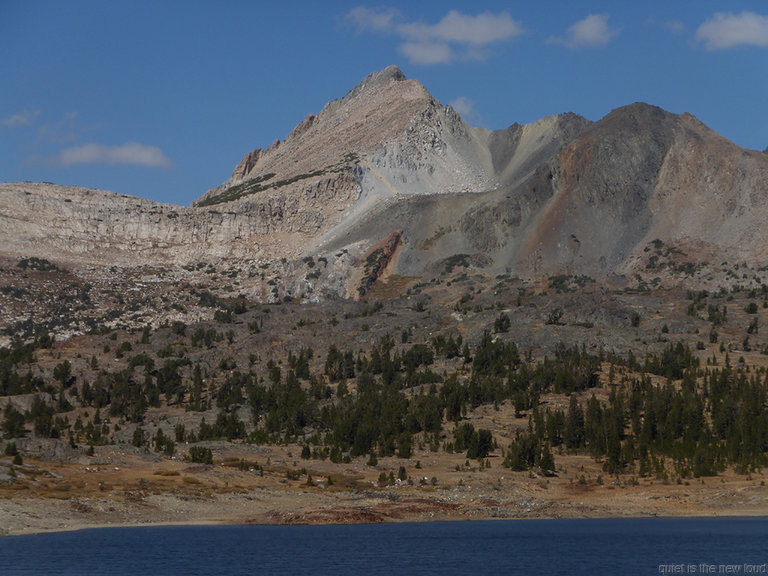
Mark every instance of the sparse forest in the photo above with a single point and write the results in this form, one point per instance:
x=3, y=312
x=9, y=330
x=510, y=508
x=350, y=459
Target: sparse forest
x=676, y=413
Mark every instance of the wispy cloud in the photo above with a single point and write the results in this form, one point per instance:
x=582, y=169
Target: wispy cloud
x=129, y=153
x=592, y=32
x=64, y=131
x=674, y=26
x=479, y=30
x=22, y=119
x=456, y=36
x=466, y=109
x=377, y=19
x=427, y=52
x=723, y=31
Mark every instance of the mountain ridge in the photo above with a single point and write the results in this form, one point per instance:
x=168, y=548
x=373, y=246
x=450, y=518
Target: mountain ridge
x=562, y=195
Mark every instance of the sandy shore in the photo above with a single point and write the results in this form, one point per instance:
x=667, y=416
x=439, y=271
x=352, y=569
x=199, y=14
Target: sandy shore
x=114, y=489
x=30, y=515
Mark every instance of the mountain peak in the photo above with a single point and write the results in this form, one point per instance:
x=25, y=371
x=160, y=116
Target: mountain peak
x=640, y=111
x=376, y=111
x=390, y=73
x=375, y=81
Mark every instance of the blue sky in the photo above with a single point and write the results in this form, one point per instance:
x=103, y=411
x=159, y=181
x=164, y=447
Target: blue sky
x=161, y=99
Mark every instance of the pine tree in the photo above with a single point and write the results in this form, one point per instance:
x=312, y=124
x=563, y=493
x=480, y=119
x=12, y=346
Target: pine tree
x=547, y=461
x=574, y=433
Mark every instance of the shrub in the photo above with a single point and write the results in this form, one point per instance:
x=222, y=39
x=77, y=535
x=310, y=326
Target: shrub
x=554, y=317
x=502, y=323
x=40, y=264
x=201, y=455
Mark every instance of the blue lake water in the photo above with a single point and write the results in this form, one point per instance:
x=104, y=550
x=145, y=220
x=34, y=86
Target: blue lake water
x=616, y=546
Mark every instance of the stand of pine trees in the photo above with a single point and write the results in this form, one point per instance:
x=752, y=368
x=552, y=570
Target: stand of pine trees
x=388, y=399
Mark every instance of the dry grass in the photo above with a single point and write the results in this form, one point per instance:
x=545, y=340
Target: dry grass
x=167, y=473
x=391, y=287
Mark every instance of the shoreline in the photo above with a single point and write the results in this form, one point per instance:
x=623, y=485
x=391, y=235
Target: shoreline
x=34, y=516
x=118, y=489
x=235, y=523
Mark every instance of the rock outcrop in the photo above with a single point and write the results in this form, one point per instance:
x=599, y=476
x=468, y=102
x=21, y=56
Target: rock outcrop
x=91, y=227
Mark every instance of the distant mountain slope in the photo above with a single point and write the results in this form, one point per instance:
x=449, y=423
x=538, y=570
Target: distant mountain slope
x=570, y=197
x=389, y=170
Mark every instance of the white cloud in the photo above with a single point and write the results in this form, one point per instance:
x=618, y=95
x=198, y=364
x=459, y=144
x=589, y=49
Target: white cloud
x=466, y=109
x=456, y=36
x=377, y=19
x=723, y=31
x=22, y=119
x=592, y=32
x=129, y=153
x=459, y=28
x=427, y=52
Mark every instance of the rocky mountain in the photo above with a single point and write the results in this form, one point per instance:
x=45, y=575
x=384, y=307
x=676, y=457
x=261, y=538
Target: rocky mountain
x=387, y=180
x=440, y=291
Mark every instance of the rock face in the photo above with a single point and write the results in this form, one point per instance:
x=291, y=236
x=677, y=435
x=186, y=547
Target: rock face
x=559, y=196
x=89, y=227
x=376, y=112
x=570, y=197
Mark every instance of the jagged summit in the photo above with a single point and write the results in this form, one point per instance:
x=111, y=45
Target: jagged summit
x=376, y=111
x=375, y=80
x=391, y=72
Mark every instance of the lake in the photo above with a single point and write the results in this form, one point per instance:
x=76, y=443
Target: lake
x=527, y=547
